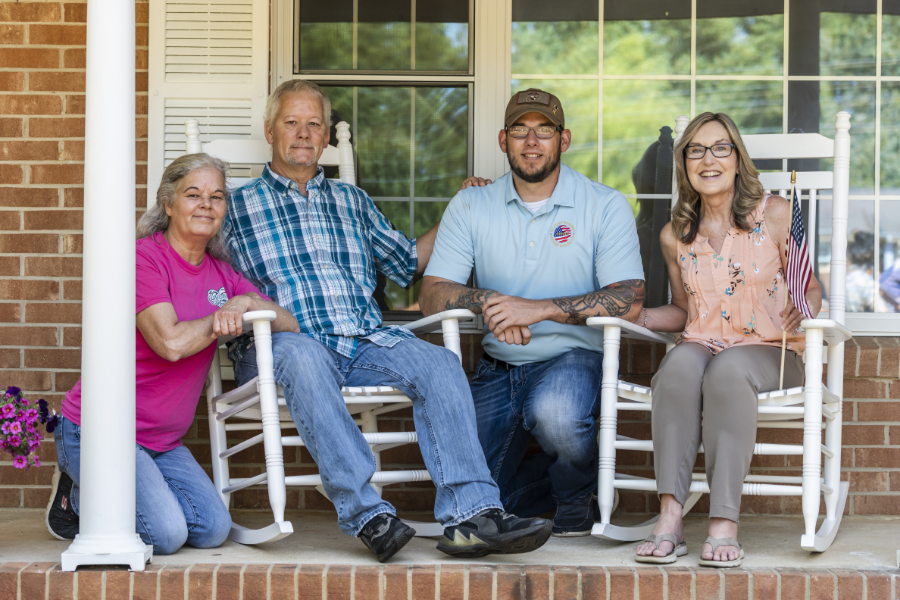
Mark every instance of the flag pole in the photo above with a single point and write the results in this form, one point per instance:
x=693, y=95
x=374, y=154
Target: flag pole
x=787, y=291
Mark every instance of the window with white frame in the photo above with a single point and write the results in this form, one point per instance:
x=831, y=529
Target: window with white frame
x=624, y=71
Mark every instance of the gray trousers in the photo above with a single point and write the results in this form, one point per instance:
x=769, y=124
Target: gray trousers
x=701, y=396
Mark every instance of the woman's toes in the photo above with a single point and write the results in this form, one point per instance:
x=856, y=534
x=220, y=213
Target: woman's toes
x=663, y=549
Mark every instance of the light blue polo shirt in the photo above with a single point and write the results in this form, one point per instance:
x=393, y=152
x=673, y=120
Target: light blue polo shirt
x=582, y=240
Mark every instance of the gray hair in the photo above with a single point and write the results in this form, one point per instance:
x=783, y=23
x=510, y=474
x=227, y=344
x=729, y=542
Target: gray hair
x=156, y=219
x=296, y=86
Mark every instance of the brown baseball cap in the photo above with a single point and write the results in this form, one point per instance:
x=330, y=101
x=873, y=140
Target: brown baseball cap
x=535, y=100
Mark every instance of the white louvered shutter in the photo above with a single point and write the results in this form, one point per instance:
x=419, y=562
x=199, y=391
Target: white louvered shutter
x=208, y=61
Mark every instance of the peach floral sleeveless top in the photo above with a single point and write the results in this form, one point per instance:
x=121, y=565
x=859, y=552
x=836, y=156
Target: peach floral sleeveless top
x=735, y=296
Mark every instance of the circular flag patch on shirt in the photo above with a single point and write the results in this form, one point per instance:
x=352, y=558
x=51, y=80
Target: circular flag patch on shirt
x=563, y=233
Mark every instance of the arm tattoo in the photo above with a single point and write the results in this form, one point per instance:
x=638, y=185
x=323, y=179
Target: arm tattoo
x=615, y=299
x=471, y=299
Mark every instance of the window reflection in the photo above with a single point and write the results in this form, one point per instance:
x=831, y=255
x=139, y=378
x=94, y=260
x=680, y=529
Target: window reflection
x=890, y=138
x=860, y=254
x=890, y=38
x=647, y=37
x=755, y=106
x=832, y=37
x=740, y=38
x=888, y=299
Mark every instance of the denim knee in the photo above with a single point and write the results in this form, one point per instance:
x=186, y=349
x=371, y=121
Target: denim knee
x=219, y=527
x=169, y=534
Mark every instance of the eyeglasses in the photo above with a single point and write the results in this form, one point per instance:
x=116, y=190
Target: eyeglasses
x=718, y=150
x=544, y=132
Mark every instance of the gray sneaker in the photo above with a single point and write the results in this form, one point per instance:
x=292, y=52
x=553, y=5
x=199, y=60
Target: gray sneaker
x=494, y=532
x=385, y=534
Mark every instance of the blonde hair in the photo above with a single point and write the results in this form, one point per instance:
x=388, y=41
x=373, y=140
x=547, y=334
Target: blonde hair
x=156, y=219
x=296, y=86
x=747, y=188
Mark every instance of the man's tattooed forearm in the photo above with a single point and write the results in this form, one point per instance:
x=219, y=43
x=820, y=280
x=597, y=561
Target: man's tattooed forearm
x=616, y=299
x=471, y=299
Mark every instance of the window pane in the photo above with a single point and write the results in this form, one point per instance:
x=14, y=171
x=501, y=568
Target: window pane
x=889, y=281
x=860, y=254
x=890, y=138
x=633, y=114
x=834, y=37
x=647, y=37
x=579, y=102
x=395, y=297
x=442, y=46
x=740, y=38
x=755, y=106
x=384, y=35
x=890, y=37
x=326, y=34
x=442, y=149
x=560, y=37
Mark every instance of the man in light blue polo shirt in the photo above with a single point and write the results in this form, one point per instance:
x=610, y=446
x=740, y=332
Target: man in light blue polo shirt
x=550, y=248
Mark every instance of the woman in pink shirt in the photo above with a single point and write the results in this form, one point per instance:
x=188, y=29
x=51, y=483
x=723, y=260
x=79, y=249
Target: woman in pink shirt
x=724, y=252
x=187, y=297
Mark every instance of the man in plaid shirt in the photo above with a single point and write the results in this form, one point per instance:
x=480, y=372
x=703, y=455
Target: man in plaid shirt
x=314, y=245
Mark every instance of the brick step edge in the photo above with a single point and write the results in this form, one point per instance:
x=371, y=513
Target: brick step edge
x=27, y=581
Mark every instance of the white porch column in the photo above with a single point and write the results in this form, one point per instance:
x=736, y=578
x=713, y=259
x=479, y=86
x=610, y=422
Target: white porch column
x=107, y=535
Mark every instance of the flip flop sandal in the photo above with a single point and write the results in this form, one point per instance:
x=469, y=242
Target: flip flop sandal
x=680, y=549
x=722, y=564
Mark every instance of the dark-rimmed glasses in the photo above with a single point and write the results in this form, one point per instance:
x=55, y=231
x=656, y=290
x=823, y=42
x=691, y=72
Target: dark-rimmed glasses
x=697, y=152
x=544, y=132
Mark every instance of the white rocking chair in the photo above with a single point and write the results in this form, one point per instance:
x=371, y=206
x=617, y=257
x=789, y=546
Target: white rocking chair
x=782, y=409
x=262, y=401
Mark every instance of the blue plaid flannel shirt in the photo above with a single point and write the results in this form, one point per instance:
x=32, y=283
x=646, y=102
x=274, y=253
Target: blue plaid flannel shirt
x=316, y=256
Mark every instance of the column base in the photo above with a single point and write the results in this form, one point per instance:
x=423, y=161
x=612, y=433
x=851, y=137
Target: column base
x=86, y=551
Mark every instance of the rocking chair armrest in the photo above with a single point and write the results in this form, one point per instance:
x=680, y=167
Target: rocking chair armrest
x=834, y=332
x=433, y=323
x=250, y=317
x=635, y=331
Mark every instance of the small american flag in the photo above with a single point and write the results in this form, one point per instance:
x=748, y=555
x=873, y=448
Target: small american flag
x=562, y=234
x=799, y=271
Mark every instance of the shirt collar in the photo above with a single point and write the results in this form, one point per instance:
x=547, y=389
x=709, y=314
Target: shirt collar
x=562, y=193
x=283, y=184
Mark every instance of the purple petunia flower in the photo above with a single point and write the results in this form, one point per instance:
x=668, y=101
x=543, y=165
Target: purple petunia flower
x=14, y=441
x=20, y=462
x=15, y=427
x=24, y=402
x=32, y=414
x=37, y=460
x=20, y=416
x=4, y=428
x=7, y=410
x=13, y=391
x=52, y=423
x=30, y=428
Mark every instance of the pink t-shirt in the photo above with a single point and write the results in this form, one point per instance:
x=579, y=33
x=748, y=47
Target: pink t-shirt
x=167, y=392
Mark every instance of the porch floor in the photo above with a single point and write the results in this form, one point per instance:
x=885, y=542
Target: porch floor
x=770, y=542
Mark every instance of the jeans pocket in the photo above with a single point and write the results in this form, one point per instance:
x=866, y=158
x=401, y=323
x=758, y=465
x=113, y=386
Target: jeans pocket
x=481, y=369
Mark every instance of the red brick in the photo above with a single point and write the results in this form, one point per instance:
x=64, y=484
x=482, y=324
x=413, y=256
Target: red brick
x=707, y=584
x=621, y=582
x=9, y=498
x=9, y=266
x=29, y=197
x=593, y=584
x=453, y=582
x=38, y=381
x=54, y=266
x=141, y=105
x=396, y=581
x=849, y=584
x=27, y=336
x=878, y=411
x=72, y=336
x=10, y=220
x=52, y=359
x=9, y=573
x=737, y=584
x=868, y=362
x=200, y=582
x=141, y=13
x=339, y=582
x=865, y=504
x=60, y=584
x=75, y=13
x=53, y=313
x=12, y=34
x=28, y=289
x=10, y=313
x=423, y=582
x=140, y=82
x=33, y=580
x=30, y=104
x=29, y=243
x=54, y=220
x=74, y=197
x=821, y=585
x=650, y=582
x=57, y=174
x=146, y=582
x=862, y=435
x=15, y=151
x=537, y=582
x=309, y=582
x=868, y=481
x=141, y=36
x=366, y=582
x=73, y=150
x=890, y=362
x=895, y=436
x=75, y=58
x=56, y=82
x=10, y=358
x=877, y=457
x=11, y=81
x=90, y=582
x=72, y=289
x=73, y=243
x=118, y=583
x=140, y=153
x=256, y=581
x=57, y=35
x=878, y=585
x=481, y=583
x=10, y=173
x=27, y=12
x=282, y=582
x=36, y=497
x=60, y=127
x=228, y=582
x=29, y=58
x=75, y=104
x=10, y=128
x=141, y=60
x=765, y=585
x=864, y=388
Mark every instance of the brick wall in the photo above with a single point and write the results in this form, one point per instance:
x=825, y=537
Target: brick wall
x=42, y=73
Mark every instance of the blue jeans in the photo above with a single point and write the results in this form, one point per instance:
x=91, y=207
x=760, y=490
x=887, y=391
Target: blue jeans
x=557, y=401
x=175, y=502
x=312, y=375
